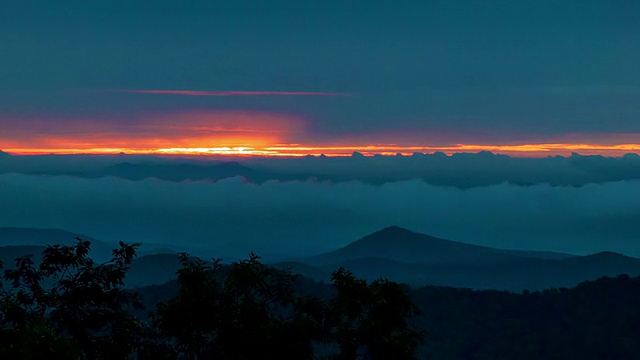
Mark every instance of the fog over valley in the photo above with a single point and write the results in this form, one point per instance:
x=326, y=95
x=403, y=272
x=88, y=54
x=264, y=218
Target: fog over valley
x=285, y=208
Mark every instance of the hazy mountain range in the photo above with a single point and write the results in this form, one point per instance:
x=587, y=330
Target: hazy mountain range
x=463, y=170
x=419, y=260
x=393, y=252
x=286, y=208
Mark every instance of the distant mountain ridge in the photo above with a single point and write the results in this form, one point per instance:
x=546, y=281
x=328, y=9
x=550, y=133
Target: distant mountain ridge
x=41, y=237
x=399, y=244
x=150, y=267
x=462, y=170
x=418, y=259
x=393, y=252
x=177, y=172
x=15, y=237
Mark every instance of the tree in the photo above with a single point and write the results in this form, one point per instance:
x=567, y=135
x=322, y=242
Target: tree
x=244, y=311
x=68, y=307
x=248, y=310
x=371, y=321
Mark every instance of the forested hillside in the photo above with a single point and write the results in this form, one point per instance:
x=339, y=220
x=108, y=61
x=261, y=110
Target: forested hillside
x=70, y=307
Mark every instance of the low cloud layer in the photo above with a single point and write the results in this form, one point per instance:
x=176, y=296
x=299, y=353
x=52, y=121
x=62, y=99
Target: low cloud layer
x=462, y=170
x=293, y=218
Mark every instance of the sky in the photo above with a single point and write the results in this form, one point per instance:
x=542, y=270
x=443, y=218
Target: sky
x=290, y=78
x=525, y=78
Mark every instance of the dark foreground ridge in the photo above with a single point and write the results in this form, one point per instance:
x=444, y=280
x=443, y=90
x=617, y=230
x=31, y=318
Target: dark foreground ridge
x=70, y=307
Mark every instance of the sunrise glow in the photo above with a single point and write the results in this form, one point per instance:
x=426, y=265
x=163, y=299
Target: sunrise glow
x=522, y=150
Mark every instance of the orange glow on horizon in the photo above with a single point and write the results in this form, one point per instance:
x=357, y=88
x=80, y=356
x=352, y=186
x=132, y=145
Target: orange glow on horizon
x=246, y=133
x=262, y=148
x=193, y=131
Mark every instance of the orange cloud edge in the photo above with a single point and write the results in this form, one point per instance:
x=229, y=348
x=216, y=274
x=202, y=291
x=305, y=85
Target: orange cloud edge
x=292, y=151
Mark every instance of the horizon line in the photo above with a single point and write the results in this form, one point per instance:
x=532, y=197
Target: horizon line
x=293, y=151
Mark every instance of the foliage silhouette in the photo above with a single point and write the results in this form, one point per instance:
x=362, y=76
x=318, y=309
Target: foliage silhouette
x=370, y=321
x=244, y=311
x=69, y=307
x=65, y=306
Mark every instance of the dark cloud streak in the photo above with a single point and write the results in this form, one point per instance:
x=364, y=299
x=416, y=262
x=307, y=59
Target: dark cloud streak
x=228, y=93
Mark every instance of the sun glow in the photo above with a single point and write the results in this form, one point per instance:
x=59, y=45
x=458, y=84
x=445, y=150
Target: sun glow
x=249, y=133
x=263, y=149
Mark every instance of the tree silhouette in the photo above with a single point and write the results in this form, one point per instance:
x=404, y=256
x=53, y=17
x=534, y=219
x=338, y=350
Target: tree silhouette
x=371, y=321
x=248, y=310
x=244, y=311
x=68, y=307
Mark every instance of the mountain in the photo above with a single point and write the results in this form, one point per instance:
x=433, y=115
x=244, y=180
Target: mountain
x=152, y=270
x=9, y=253
x=144, y=271
x=417, y=259
x=164, y=170
x=14, y=236
x=178, y=172
x=394, y=253
x=41, y=237
x=398, y=244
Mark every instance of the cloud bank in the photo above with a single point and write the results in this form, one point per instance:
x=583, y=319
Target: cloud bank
x=279, y=219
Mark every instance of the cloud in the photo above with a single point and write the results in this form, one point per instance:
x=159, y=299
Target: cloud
x=293, y=218
x=232, y=93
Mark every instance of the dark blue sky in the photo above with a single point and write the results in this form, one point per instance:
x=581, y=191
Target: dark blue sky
x=420, y=72
x=415, y=73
